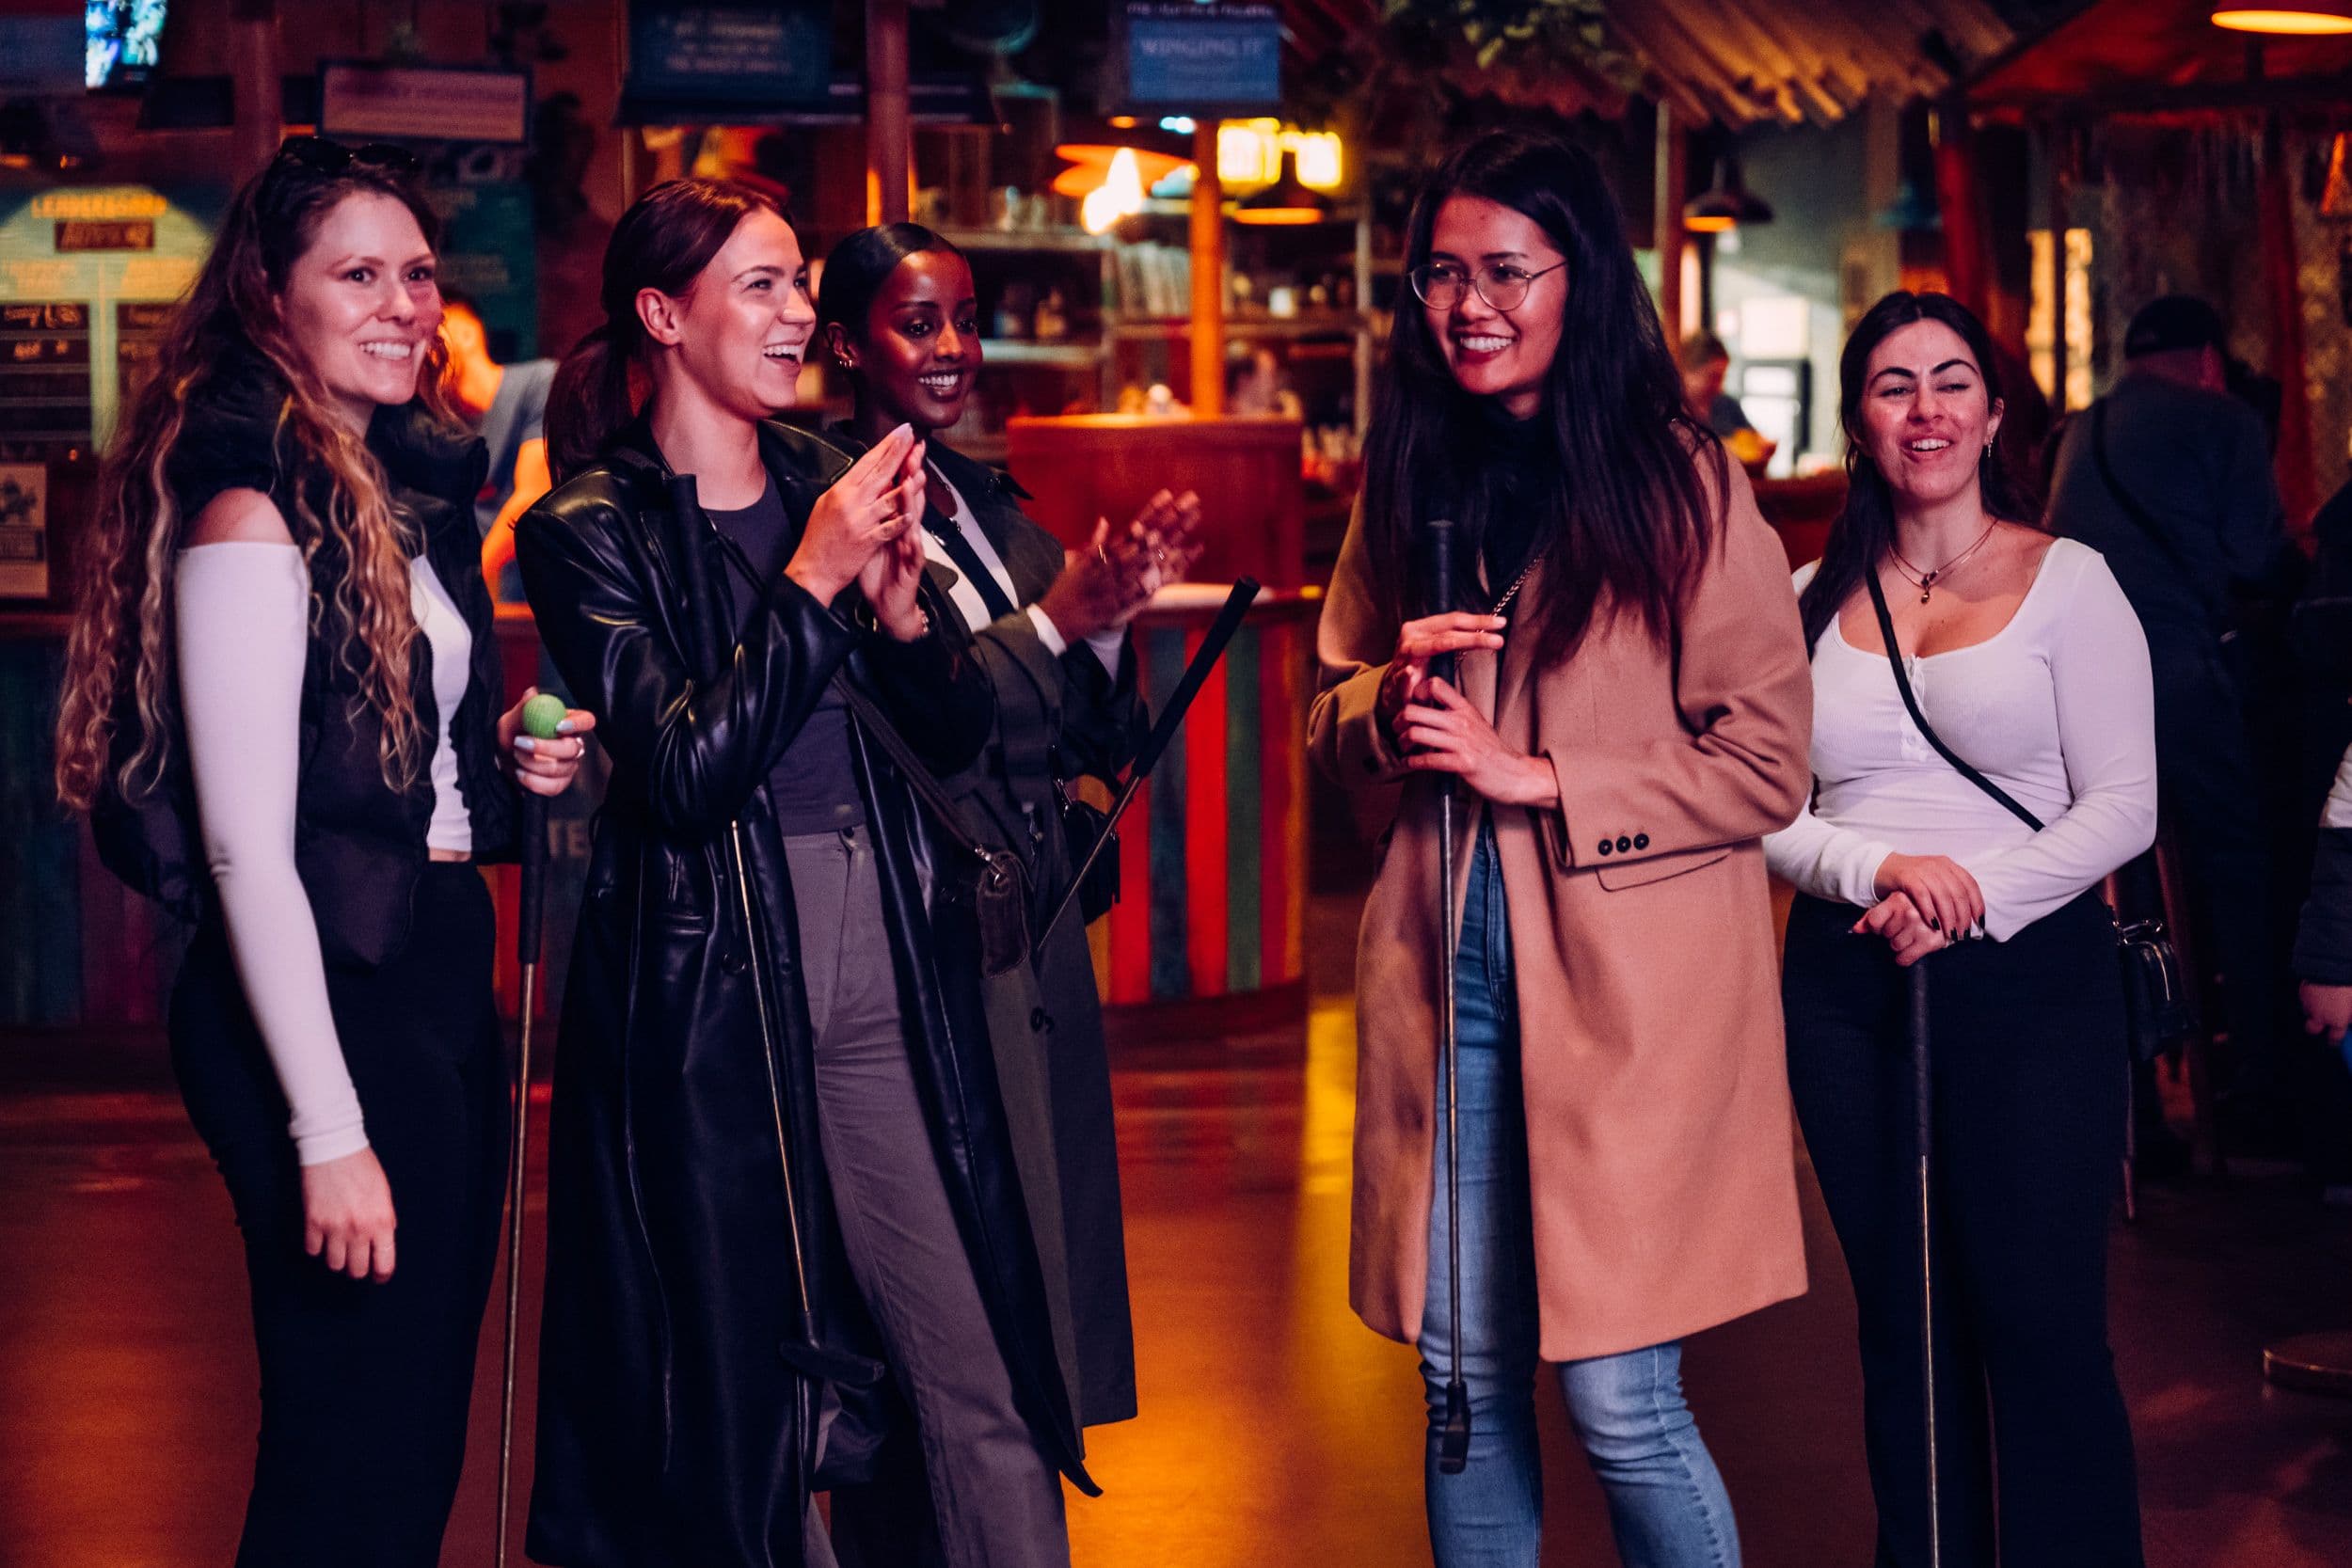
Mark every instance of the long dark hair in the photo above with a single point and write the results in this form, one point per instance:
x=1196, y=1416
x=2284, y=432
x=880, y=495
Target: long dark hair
x=1628, y=523
x=858, y=267
x=119, y=663
x=664, y=241
x=1864, y=531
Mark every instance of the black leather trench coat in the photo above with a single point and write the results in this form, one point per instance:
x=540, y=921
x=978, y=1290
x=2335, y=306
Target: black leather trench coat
x=689, y=1215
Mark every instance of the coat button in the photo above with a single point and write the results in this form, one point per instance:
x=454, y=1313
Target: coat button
x=1038, y=1019
x=1624, y=844
x=1641, y=841
x=1606, y=847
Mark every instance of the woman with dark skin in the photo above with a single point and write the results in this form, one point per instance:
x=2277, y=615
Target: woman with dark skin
x=900, y=315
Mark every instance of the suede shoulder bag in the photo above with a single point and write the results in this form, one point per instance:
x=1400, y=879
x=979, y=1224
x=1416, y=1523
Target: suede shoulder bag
x=2156, y=1013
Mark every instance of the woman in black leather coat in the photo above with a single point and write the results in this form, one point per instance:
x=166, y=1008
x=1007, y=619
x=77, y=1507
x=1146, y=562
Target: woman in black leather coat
x=780, y=1169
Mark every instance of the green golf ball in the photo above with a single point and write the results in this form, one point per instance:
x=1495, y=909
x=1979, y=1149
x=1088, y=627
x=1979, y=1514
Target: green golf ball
x=541, y=713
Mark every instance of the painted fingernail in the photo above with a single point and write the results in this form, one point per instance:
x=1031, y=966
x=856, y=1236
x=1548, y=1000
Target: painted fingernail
x=1935, y=924
x=525, y=743
x=565, y=727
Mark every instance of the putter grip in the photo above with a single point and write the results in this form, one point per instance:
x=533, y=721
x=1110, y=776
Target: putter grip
x=1454, y=1437
x=1220, y=632
x=1438, y=569
x=531, y=904
x=1922, y=1100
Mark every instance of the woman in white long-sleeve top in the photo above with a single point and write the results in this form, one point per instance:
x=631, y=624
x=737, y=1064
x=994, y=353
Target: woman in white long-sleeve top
x=2027, y=664
x=282, y=711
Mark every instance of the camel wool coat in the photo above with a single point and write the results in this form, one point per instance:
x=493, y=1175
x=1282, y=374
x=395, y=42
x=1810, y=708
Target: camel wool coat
x=1660, y=1142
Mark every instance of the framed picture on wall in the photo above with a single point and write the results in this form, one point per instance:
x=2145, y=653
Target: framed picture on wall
x=23, y=531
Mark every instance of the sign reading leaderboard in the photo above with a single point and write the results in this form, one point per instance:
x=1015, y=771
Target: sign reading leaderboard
x=1187, y=57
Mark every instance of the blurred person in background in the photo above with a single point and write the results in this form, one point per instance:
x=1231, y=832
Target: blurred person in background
x=1706, y=363
x=2169, y=477
x=507, y=406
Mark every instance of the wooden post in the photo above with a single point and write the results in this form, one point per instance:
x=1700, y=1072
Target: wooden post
x=1967, y=263
x=2056, y=198
x=1672, y=178
x=256, y=71
x=1208, y=277
x=2282, y=283
x=889, y=141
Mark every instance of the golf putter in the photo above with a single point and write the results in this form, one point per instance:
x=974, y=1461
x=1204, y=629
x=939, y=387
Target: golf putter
x=1455, y=1435
x=541, y=715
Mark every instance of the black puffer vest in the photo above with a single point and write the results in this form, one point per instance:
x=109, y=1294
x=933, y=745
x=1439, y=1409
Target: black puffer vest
x=358, y=843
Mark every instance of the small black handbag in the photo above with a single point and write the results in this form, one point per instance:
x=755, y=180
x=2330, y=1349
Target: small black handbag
x=2156, y=1012
x=990, y=885
x=1082, y=825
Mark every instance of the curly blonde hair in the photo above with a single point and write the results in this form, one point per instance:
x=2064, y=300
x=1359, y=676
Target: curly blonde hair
x=119, y=668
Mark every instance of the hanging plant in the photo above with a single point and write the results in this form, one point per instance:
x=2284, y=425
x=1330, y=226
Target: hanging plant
x=1572, y=28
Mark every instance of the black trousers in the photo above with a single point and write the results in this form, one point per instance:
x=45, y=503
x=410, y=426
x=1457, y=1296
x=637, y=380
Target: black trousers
x=2213, y=796
x=364, y=1387
x=2028, y=1078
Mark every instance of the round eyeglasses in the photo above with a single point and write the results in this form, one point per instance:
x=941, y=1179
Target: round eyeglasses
x=1439, y=285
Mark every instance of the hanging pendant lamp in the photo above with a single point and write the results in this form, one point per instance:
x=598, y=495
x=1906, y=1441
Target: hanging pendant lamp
x=1288, y=200
x=2294, y=19
x=1728, y=204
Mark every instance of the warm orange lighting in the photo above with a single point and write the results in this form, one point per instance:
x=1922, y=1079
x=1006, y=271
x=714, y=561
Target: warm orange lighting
x=2310, y=18
x=1119, y=195
x=1091, y=166
x=1709, y=225
x=1250, y=152
x=1287, y=200
x=1122, y=123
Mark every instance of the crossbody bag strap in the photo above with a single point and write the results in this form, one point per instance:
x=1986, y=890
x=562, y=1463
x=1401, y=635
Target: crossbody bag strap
x=2140, y=517
x=1919, y=719
x=926, y=788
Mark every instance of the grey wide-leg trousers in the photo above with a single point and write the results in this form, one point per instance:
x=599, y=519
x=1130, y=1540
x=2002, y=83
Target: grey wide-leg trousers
x=998, y=1497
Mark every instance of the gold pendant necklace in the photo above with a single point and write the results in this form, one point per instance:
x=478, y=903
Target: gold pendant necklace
x=1926, y=581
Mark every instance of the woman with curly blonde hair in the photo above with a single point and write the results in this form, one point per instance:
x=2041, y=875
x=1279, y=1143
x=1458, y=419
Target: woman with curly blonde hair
x=279, y=710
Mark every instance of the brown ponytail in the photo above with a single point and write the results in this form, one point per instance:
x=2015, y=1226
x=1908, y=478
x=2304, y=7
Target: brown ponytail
x=664, y=241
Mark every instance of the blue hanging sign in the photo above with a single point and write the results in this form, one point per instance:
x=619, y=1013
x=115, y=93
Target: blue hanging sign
x=1187, y=57
x=702, y=58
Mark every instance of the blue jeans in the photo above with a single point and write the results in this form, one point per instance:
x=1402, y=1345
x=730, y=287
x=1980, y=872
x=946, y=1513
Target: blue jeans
x=1666, y=1502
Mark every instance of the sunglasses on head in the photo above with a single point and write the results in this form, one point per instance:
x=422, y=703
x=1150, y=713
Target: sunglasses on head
x=333, y=157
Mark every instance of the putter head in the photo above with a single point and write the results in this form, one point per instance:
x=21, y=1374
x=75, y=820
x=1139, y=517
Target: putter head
x=1454, y=1437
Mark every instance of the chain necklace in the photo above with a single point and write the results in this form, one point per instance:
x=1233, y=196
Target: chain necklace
x=1926, y=581
x=1511, y=593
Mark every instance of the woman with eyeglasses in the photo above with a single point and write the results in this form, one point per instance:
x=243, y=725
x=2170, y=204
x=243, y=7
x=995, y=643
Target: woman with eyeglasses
x=280, y=708
x=1627, y=720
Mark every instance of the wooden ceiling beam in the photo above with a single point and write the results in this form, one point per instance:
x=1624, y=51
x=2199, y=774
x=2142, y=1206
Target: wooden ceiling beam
x=1712, y=95
x=1975, y=28
x=1743, y=87
x=1798, y=66
x=1895, y=64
